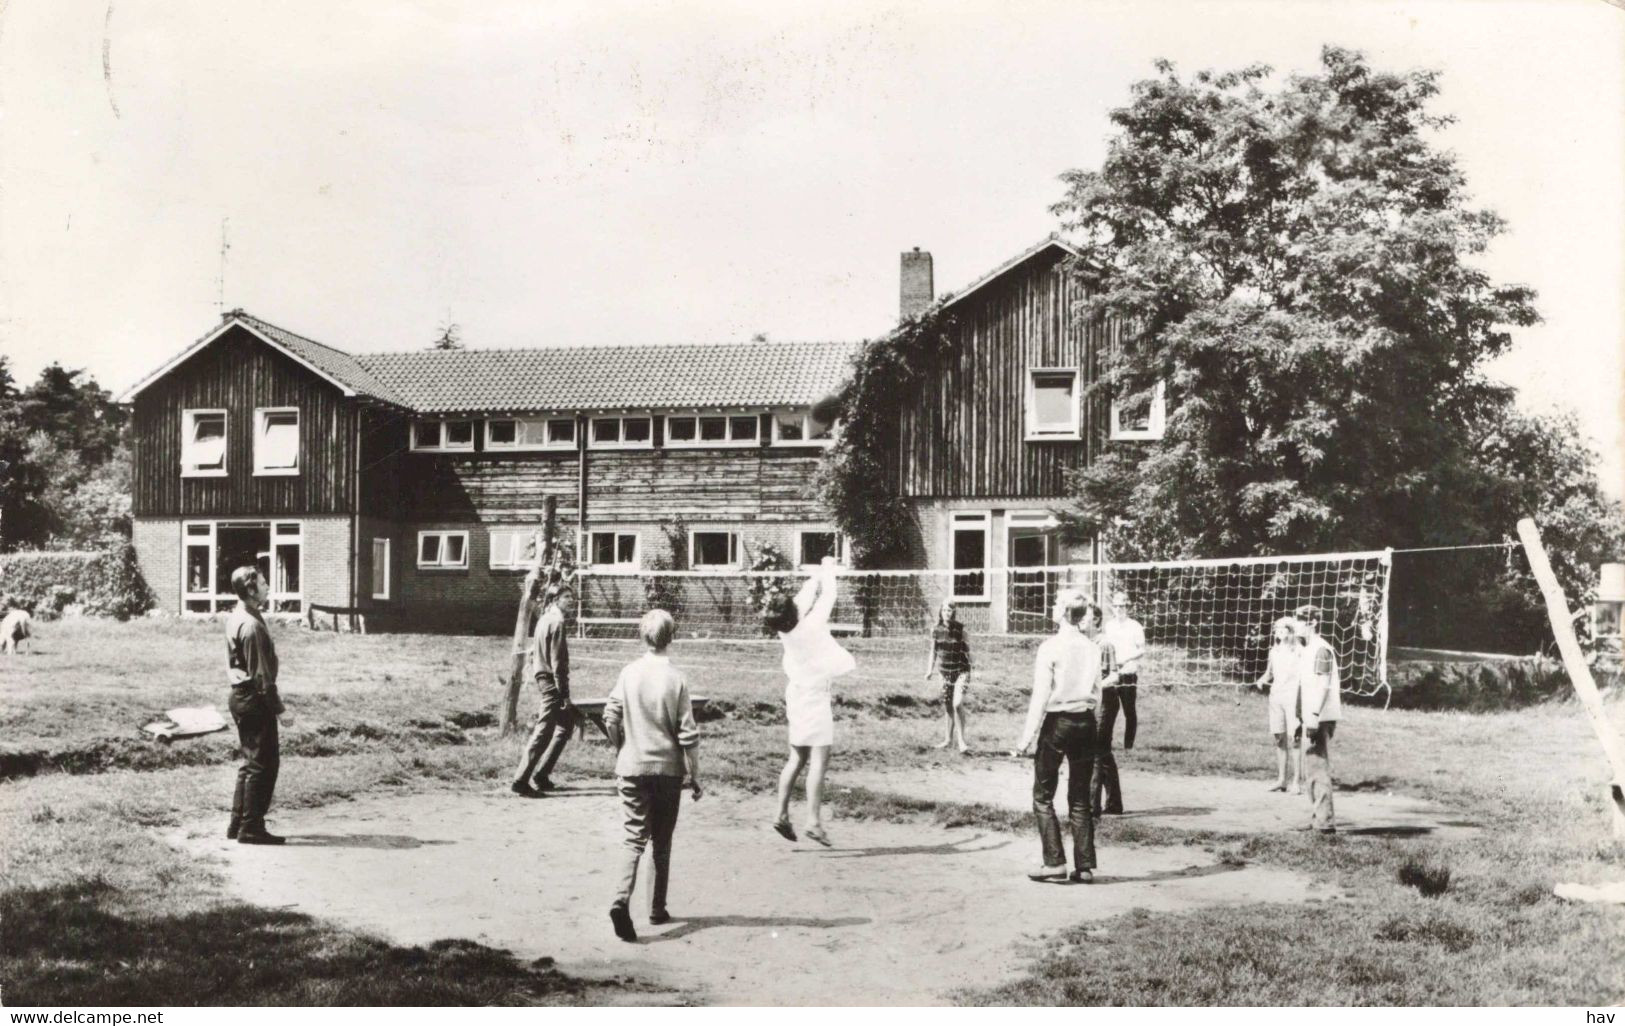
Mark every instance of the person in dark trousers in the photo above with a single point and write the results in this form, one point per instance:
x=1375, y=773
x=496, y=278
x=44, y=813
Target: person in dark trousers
x=1067, y=677
x=251, y=669
x=548, y=665
x=1124, y=638
x=649, y=718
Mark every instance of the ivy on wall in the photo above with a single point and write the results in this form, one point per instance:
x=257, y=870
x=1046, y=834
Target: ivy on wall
x=852, y=480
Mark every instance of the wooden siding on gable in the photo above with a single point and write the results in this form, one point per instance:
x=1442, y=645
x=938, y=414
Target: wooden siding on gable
x=239, y=374
x=965, y=435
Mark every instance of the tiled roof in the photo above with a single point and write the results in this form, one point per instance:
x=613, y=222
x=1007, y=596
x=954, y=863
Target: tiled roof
x=335, y=363
x=612, y=377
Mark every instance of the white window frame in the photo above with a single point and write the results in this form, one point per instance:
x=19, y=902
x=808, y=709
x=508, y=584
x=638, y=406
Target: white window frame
x=1155, y=426
x=189, y=433
x=1037, y=432
x=593, y=443
x=218, y=594
x=840, y=545
x=441, y=564
x=260, y=415
x=806, y=431
x=728, y=441
x=519, y=431
x=513, y=532
x=385, y=563
x=733, y=549
x=970, y=521
x=443, y=446
x=637, y=551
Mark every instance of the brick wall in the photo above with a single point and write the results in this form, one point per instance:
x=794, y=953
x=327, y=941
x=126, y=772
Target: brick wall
x=324, y=558
x=157, y=542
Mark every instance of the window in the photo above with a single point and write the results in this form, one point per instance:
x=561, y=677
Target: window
x=813, y=546
x=276, y=441
x=203, y=443
x=213, y=550
x=968, y=550
x=513, y=548
x=613, y=549
x=712, y=429
x=797, y=427
x=380, y=568
x=1052, y=404
x=1141, y=420
x=713, y=549
x=443, y=550
x=620, y=433
x=528, y=433
x=443, y=435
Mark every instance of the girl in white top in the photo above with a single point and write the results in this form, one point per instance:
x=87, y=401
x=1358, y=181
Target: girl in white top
x=812, y=660
x=1282, y=677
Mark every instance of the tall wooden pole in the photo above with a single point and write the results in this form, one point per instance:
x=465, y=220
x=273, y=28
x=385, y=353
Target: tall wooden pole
x=1557, y=609
x=542, y=555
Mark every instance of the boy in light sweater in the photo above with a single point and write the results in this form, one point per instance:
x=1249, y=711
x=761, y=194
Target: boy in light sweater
x=650, y=720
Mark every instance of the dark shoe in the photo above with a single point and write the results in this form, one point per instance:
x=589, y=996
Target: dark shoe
x=234, y=828
x=659, y=917
x=1326, y=830
x=522, y=789
x=260, y=837
x=1048, y=873
x=1082, y=876
x=622, y=920
x=1118, y=811
x=543, y=785
x=785, y=830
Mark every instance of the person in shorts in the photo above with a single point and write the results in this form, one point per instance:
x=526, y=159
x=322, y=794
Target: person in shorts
x=950, y=657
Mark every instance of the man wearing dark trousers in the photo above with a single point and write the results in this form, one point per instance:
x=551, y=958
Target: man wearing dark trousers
x=548, y=663
x=1061, y=723
x=1123, y=639
x=251, y=668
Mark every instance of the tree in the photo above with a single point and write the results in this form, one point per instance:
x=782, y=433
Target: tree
x=1295, y=267
x=67, y=479
x=450, y=337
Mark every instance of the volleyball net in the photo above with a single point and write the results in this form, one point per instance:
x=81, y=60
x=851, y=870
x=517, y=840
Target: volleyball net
x=1207, y=622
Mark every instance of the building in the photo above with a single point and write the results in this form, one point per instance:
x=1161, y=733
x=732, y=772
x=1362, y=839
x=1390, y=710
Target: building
x=409, y=484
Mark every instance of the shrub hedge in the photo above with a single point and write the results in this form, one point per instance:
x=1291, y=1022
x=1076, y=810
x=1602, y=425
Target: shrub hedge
x=93, y=583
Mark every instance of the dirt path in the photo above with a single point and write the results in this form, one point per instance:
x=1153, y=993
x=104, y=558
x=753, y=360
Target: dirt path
x=893, y=914
x=1226, y=804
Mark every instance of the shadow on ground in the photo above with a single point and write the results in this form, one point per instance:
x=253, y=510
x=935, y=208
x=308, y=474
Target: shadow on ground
x=71, y=945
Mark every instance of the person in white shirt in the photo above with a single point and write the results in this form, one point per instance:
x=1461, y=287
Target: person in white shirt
x=812, y=661
x=1061, y=726
x=1281, y=677
x=1126, y=639
x=1321, y=688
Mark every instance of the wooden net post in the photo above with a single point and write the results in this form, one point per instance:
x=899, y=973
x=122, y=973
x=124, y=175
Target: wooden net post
x=541, y=546
x=1557, y=609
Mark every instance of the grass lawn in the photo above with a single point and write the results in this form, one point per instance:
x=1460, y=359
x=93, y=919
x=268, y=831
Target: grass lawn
x=98, y=908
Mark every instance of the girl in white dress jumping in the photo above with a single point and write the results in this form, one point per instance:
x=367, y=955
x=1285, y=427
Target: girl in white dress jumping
x=812, y=660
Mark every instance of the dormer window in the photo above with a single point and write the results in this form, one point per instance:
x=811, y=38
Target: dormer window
x=1142, y=420
x=1052, y=404
x=276, y=441
x=443, y=436
x=203, y=443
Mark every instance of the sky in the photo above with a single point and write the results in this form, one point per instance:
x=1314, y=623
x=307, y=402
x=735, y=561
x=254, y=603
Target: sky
x=566, y=173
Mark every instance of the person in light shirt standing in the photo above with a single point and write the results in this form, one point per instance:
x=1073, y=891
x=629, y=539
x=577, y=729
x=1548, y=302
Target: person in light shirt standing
x=1320, y=688
x=1061, y=726
x=1127, y=640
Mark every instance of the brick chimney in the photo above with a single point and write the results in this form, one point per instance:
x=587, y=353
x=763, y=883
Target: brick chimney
x=916, y=289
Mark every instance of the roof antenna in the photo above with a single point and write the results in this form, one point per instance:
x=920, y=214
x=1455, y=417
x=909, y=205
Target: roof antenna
x=220, y=283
